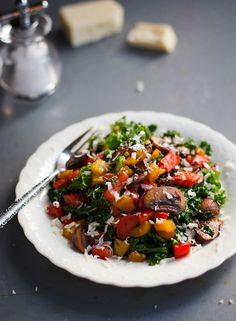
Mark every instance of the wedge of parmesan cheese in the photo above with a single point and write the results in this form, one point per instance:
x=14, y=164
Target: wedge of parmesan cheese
x=91, y=21
x=156, y=36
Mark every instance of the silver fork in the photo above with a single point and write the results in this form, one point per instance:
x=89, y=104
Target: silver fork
x=62, y=158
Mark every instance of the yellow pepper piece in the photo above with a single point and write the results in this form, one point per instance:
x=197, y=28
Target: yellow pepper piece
x=125, y=204
x=68, y=232
x=65, y=173
x=154, y=172
x=126, y=169
x=140, y=230
x=99, y=167
x=131, y=161
x=166, y=229
x=120, y=247
x=97, y=180
x=155, y=154
x=140, y=156
x=136, y=257
x=200, y=152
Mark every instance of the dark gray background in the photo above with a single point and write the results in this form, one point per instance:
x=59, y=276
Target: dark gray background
x=198, y=80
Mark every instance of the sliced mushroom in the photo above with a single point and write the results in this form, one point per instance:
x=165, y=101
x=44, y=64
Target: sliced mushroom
x=158, y=143
x=79, y=238
x=166, y=199
x=209, y=230
x=209, y=205
x=79, y=160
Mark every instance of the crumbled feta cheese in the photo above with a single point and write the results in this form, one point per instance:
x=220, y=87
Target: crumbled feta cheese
x=109, y=185
x=185, y=163
x=140, y=86
x=178, y=140
x=66, y=217
x=110, y=220
x=117, y=196
x=137, y=147
x=191, y=193
x=133, y=155
x=129, y=180
x=56, y=204
x=70, y=225
x=92, y=229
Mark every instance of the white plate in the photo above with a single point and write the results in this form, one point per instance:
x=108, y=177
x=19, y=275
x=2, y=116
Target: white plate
x=38, y=230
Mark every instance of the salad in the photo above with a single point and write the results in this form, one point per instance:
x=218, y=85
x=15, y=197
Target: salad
x=139, y=194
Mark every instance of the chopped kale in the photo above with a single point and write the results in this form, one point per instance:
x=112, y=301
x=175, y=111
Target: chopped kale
x=213, y=180
x=204, y=216
x=172, y=133
x=83, y=181
x=111, y=233
x=101, y=208
x=157, y=257
x=152, y=128
x=190, y=143
x=206, y=147
x=220, y=197
x=208, y=230
x=56, y=194
x=123, y=133
x=78, y=212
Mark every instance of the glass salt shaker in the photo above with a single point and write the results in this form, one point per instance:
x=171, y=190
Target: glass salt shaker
x=29, y=65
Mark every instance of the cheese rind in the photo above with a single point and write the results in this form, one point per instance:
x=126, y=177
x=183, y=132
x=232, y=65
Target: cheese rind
x=156, y=36
x=91, y=21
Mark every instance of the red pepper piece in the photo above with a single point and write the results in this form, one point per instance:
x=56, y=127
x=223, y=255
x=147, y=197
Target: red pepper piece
x=54, y=211
x=61, y=182
x=103, y=251
x=169, y=161
x=199, y=160
x=163, y=215
x=181, y=250
x=125, y=226
x=187, y=179
x=145, y=215
x=74, y=199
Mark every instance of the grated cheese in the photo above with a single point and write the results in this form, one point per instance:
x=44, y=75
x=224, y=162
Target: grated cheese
x=92, y=229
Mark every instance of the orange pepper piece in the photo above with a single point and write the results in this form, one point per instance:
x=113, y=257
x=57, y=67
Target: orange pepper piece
x=136, y=257
x=120, y=247
x=125, y=204
x=141, y=230
x=166, y=229
x=154, y=172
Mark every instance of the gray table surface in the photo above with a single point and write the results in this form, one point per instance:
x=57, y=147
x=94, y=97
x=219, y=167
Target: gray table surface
x=197, y=81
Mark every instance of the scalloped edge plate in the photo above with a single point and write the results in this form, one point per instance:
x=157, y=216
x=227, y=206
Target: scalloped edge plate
x=37, y=225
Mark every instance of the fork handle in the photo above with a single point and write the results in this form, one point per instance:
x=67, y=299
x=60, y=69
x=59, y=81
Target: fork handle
x=14, y=208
